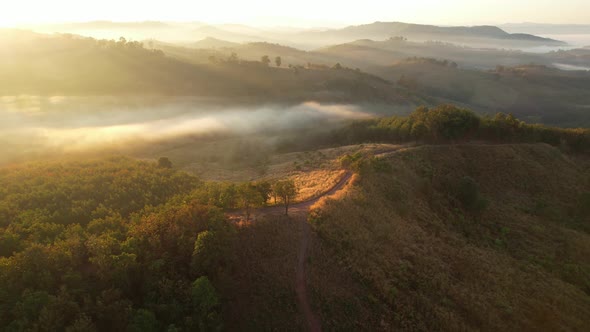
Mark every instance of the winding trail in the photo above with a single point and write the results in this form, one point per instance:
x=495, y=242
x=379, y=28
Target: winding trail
x=312, y=320
x=302, y=208
x=299, y=212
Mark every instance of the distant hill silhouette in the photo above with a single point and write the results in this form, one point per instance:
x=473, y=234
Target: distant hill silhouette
x=71, y=65
x=211, y=42
x=382, y=30
x=481, y=36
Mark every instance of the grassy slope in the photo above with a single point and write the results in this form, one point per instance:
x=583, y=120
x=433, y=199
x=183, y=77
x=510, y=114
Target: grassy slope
x=63, y=65
x=261, y=293
x=428, y=264
x=531, y=93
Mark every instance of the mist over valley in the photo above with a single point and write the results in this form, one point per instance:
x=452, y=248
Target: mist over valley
x=322, y=165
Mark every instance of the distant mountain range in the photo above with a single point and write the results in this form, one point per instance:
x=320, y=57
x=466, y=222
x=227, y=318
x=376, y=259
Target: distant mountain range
x=213, y=43
x=547, y=29
x=479, y=36
x=457, y=34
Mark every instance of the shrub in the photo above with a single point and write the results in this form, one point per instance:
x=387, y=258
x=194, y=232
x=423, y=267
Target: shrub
x=468, y=194
x=164, y=162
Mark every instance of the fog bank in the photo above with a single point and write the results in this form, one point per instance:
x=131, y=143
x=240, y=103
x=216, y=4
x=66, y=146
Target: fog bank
x=37, y=125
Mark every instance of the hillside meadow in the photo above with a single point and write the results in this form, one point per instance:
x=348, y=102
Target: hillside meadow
x=462, y=237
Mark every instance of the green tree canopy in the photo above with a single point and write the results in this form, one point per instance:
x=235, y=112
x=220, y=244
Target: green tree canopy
x=265, y=60
x=286, y=190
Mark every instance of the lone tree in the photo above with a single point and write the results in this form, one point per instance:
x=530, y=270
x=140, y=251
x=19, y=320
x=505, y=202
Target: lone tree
x=278, y=61
x=164, y=162
x=265, y=60
x=249, y=197
x=286, y=190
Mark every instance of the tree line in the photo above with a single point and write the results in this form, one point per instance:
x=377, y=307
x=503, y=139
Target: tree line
x=450, y=124
x=248, y=195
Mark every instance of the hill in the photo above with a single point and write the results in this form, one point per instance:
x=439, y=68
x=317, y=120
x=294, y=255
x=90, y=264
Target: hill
x=476, y=35
x=537, y=94
x=548, y=29
x=436, y=72
x=223, y=34
x=211, y=42
x=445, y=237
x=390, y=50
x=464, y=237
x=71, y=65
x=483, y=36
x=109, y=25
x=577, y=59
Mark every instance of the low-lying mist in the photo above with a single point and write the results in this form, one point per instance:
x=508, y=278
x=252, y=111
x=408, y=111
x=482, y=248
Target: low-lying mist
x=38, y=127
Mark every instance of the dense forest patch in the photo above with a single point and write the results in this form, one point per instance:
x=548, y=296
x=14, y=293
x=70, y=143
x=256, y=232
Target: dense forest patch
x=111, y=244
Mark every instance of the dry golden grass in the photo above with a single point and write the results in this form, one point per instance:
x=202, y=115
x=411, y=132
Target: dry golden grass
x=314, y=172
x=339, y=195
x=435, y=266
x=205, y=160
x=315, y=183
x=260, y=296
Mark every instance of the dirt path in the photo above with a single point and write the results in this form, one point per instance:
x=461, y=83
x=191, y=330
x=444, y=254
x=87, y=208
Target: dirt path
x=312, y=320
x=302, y=208
x=299, y=212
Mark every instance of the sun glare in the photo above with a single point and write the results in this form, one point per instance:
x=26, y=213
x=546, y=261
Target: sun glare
x=304, y=13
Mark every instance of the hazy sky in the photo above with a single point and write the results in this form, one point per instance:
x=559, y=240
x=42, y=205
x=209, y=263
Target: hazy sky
x=300, y=12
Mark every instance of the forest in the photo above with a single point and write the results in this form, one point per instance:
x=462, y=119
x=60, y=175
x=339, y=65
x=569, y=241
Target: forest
x=451, y=124
x=78, y=237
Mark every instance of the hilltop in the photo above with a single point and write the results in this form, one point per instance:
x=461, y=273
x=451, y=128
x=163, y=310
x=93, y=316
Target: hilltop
x=459, y=237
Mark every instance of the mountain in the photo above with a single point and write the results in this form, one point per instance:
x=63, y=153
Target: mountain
x=219, y=33
x=385, y=52
x=480, y=35
x=108, y=25
x=17, y=35
x=213, y=43
x=549, y=29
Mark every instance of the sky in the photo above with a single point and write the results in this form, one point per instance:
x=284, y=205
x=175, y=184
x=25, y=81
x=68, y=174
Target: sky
x=302, y=13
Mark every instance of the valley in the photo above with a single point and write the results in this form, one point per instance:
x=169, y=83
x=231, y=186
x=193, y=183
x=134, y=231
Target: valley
x=169, y=173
